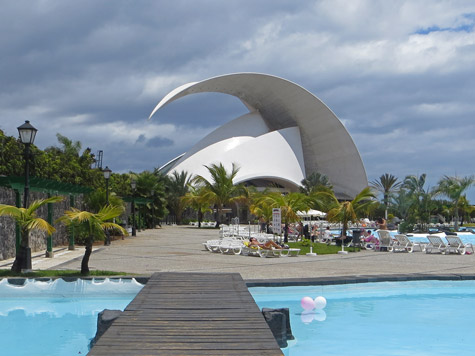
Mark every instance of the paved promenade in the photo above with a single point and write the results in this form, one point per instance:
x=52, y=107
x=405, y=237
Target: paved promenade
x=180, y=249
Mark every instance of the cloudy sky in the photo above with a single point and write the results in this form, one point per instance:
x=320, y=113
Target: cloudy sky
x=399, y=74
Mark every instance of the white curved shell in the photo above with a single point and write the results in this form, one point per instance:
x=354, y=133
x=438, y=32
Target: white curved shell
x=288, y=134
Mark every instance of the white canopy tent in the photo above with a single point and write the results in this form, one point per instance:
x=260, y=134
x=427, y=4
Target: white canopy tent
x=310, y=213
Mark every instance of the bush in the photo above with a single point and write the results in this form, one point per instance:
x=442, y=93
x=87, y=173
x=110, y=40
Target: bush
x=405, y=227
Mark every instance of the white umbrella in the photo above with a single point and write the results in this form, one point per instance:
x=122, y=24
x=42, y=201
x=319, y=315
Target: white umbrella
x=311, y=212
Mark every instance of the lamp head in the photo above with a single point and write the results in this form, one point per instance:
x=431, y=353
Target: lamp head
x=27, y=133
x=107, y=172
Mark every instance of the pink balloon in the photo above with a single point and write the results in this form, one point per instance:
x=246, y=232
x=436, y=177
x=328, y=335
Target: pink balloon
x=307, y=303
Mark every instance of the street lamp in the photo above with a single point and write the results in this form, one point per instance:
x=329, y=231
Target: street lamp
x=107, y=174
x=134, y=185
x=27, y=137
x=153, y=210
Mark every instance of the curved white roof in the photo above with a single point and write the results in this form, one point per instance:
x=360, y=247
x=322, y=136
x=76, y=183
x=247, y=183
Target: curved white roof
x=288, y=134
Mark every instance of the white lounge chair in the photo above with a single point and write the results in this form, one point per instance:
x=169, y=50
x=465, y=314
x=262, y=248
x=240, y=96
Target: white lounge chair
x=285, y=252
x=231, y=246
x=264, y=252
x=212, y=245
x=404, y=244
x=455, y=244
x=435, y=243
x=385, y=241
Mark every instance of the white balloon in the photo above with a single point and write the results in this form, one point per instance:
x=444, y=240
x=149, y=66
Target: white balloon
x=307, y=317
x=320, y=302
x=319, y=315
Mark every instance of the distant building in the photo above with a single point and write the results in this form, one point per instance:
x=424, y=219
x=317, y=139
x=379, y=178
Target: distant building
x=288, y=134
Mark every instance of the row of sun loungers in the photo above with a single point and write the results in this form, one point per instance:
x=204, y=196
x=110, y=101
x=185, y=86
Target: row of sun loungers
x=237, y=246
x=401, y=243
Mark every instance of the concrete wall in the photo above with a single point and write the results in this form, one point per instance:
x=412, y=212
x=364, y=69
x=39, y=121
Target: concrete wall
x=37, y=239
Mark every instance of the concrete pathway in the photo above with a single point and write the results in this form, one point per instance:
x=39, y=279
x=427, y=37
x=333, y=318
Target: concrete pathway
x=180, y=249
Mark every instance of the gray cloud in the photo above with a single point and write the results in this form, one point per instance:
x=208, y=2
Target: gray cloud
x=399, y=75
x=159, y=142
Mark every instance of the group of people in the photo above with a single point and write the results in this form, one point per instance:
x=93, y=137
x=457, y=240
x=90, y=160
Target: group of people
x=315, y=233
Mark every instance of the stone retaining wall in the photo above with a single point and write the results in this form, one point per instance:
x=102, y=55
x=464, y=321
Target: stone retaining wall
x=37, y=239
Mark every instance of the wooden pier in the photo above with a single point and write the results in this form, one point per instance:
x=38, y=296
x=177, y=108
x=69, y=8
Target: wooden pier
x=190, y=314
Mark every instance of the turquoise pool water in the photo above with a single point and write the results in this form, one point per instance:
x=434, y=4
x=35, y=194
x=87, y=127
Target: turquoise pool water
x=387, y=318
x=60, y=318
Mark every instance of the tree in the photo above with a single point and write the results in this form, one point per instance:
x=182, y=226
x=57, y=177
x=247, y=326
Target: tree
x=422, y=202
x=261, y=205
x=11, y=156
x=314, y=182
x=199, y=199
x=221, y=188
x=350, y=211
x=453, y=188
x=70, y=148
x=177, y=187
x=97, y=199
x=93, y=226
x=289, y=205
x=387, y=184
x=28, y=221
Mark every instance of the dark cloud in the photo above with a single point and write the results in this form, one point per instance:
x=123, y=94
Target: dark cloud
x=159, y=142
x=399, y=75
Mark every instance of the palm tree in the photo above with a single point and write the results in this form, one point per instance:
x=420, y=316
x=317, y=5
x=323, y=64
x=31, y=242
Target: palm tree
x=198, y=199
x=261, y=205
x=177, y=187
x=93, y=225
x=221, y=188
x=290, y=204
x=69, y=147
x=415, y=184
x=387, y=184
x=350, y=211
x=28, y=221
x=97, y=199
x=152, y=185
x=422, y=202
x=314, y=182
x=453, y=188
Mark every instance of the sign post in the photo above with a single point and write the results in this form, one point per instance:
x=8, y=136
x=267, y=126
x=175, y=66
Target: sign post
x=276, y=221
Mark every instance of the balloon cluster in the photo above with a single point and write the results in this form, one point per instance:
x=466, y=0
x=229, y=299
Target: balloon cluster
x=309, y=304
x=313, y=309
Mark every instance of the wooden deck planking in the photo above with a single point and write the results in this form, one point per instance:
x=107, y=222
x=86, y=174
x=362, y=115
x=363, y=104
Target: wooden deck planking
x=190, y=314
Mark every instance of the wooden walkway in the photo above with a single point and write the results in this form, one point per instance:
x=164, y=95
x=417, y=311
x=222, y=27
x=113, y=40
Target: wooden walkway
x=190, y=314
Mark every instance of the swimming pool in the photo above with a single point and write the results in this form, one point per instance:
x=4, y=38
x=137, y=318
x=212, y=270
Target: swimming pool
x=385, y=318
x=57, y=317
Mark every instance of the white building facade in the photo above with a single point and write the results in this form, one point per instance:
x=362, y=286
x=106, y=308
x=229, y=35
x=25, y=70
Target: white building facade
x=288, y=134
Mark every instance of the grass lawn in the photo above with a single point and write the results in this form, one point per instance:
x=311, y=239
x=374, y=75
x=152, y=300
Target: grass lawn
x=319, y=248
x=59, y=273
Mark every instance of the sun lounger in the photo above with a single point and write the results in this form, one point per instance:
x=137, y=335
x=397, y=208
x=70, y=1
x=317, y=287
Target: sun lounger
x=212, y=245
x=231, y=246
x=456, y=245
x=264, y=252
x=435, y=244
x=404, y=244
x=385, y=241
x=224, y=245
x=285, y=252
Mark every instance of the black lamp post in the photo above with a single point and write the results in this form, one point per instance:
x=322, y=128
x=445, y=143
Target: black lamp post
x=107, y=174
x=27, y=137
x=133, y=185
x=153, y=209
